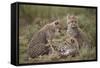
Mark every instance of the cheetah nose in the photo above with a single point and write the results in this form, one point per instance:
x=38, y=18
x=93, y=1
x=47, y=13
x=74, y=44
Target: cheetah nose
x=59, y=31
x=62, y=50
x=74, y=26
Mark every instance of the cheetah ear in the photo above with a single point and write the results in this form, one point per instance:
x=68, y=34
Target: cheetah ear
x=75, y=17
x=72, y=41
x=68, y=16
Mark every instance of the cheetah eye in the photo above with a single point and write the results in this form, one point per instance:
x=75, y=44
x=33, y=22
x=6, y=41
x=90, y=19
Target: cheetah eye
x=73, y=41
x=68, y=22
x=75, y=21
x=56, y=23
x=72, y=21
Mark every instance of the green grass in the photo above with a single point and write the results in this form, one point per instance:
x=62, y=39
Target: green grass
x=33, y=18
